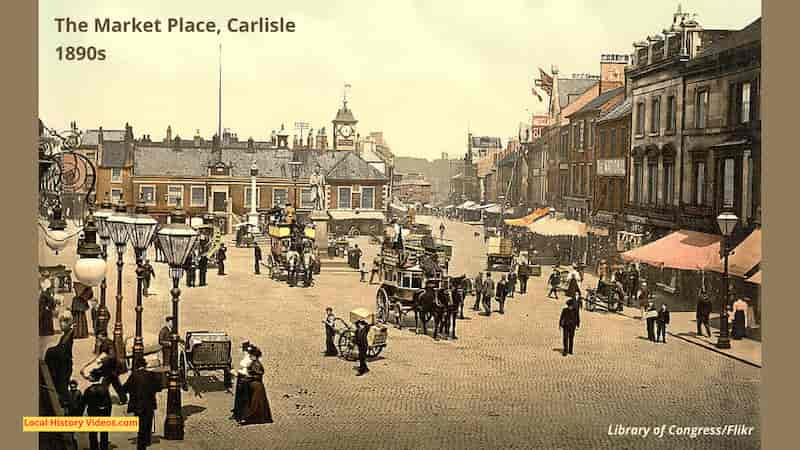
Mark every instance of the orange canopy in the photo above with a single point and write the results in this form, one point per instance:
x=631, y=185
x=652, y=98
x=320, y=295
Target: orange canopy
x=529, y=219
x=682, y=249
x=744, y=257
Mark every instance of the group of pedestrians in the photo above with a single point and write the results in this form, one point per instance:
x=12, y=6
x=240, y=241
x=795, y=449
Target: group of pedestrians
x=486, y=291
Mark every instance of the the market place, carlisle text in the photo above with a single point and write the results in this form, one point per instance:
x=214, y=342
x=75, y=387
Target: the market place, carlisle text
x=175, y=25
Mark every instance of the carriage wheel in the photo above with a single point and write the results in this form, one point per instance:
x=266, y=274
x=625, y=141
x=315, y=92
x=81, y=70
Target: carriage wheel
x=346, y=344
x=382, y=306
x=373, y=352
x=353, y=232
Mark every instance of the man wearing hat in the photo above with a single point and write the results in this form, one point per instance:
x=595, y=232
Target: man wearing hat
x=142, y=386
x=221, y=256
x=703, y=313
x=362, y=329
x=164, y=339
x=644, y=298
x=569, y=321
x=97, y=403
x=488, y=293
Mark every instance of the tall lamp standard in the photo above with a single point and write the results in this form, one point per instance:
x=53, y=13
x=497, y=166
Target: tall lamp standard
x=103, y=316
x=178, y=240
x=117, y=227
x=727, y=223
x=141, y=228
x=294, y=165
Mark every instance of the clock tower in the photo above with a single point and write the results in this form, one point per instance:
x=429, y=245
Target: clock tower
x=344, y=127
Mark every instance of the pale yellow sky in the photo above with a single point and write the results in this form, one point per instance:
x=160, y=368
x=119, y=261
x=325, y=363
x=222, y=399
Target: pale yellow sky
x=421, y=71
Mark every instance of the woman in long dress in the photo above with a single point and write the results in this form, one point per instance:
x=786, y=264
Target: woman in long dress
x=47, y=304
x=257, y=409
x=80, y=304
x=739, y=322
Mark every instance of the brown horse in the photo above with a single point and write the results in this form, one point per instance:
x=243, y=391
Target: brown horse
x=429, y=303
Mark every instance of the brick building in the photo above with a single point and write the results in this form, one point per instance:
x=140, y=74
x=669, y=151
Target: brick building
x=612, y=136
x=212, y=178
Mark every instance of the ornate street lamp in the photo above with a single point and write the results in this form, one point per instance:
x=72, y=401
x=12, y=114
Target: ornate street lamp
x=103, y=316
x=90, y=269
x=56, y=238
x=117, y=226
x=141, y=228
x=177, y=240
x=727, y=223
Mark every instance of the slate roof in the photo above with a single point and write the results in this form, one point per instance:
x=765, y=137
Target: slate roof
x=159, y=160
x=92, y=137
x=115, y=154
x=618, y=111
x=345, y=115
x=598, y=102
x=571, y=88
x=749, y=34
x=352, y=167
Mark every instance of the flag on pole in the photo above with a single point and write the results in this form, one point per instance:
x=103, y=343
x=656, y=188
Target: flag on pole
x=545, y=82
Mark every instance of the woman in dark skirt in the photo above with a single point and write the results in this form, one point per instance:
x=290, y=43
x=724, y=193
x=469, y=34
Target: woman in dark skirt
x=257, y=409
x=80, y=304
x=47, y=304
x=739, y=323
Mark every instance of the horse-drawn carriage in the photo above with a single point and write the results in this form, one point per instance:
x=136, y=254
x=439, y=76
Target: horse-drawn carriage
x=288, y=243
x=415, y=281
x=499, y=255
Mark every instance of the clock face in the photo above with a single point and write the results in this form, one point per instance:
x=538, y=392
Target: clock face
x=346, y=131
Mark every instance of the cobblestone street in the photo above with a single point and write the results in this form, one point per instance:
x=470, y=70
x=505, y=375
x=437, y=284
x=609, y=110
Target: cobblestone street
x=502, y=384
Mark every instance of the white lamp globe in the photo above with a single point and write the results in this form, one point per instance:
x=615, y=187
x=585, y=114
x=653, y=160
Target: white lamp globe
x=56, y=240
x=90, y=271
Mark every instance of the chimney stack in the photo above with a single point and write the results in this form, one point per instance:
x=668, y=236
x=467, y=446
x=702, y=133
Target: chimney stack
x=612, y=71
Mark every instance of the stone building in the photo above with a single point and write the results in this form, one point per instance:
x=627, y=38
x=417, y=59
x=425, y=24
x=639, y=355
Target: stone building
x=695, y=146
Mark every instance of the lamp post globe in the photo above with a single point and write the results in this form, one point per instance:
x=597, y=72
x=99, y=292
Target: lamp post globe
x=177, y=240
x=117, y=226
x=90, y=269
x=141, y=228
x=727, y=223
x=56, y=238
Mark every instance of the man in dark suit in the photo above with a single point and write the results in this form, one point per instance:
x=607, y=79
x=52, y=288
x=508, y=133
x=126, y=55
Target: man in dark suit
x=703, y=314
x=257, y=256
x=221, y=256
x=203, y=267
x=362, y=329
x=142, y=386
x=570, y=320
x=488, y=293
x=97, y=403
x=500, y=293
